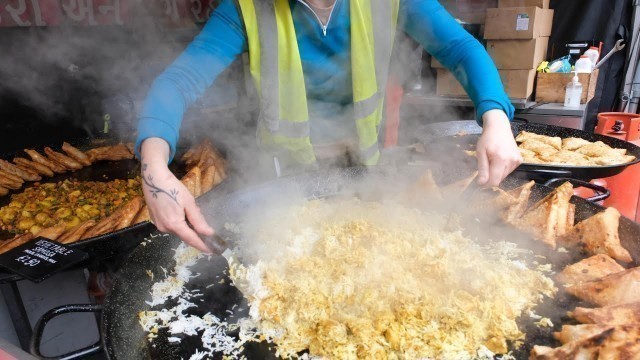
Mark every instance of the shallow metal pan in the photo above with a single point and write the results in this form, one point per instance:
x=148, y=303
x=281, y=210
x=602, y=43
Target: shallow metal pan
x=450, y=137
x=107, y=245
x=122, y=337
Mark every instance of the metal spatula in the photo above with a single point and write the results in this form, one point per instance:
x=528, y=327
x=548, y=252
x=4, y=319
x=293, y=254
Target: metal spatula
x=216, y=244
x=463, y=200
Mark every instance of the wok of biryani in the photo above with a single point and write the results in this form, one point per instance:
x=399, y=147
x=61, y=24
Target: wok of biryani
x=352, y=279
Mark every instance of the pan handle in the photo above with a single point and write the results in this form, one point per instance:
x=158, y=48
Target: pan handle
x=36, y=339
x=546, y=172
x=602, y=192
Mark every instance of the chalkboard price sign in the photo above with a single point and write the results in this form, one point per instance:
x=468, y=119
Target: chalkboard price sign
x=40, y=258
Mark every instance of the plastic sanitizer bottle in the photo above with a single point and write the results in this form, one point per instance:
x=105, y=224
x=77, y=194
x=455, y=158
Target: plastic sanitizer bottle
x=574, y=93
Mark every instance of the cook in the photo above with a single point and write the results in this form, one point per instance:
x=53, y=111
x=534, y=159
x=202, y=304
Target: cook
x=337, y=53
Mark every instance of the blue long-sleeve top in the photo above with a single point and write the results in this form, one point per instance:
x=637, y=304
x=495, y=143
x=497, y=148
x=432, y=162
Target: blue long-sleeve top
x=326, y=63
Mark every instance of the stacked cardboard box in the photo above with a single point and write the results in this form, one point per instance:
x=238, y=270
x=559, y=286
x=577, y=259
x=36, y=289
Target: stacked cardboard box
x=517, y=34
x=472, y=13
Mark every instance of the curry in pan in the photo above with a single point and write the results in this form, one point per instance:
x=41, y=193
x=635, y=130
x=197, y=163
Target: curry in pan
x=72, y=210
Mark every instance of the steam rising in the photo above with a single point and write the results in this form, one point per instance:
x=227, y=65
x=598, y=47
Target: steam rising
x=66, y=70
x=328, y=274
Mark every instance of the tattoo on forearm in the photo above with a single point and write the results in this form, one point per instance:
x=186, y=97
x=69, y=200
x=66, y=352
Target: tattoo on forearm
x=155, y=190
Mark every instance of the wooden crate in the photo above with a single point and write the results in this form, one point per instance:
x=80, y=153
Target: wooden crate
x=551, y=87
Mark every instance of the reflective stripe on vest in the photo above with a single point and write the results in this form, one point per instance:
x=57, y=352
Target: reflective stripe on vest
x=284, y=117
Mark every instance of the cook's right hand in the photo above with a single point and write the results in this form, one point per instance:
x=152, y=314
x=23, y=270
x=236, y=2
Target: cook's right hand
x=169, y=202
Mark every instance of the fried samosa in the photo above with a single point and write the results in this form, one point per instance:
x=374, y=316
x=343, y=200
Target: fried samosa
x=193, y=181
x=571, y=333
x=593, y=268
x=25, y=175
x=75, y=153
x=143, y=215
x=74, y=234
x=53, y=232
x=565, y=157
x=616, y=289
x=571, y=216
x=594, y=149
x=10, y=182
x=599, y=235
x=33, y=166
x=521, y=194
x=538, y=147
x=553, y=141
x=128, y=212
x=62, y=159
x=608, y=315
x=572, y=144
x=112, y=153
x=611, y=159
x=620, y=342
x=15, y=242
x=548, y=218
x=36, y=157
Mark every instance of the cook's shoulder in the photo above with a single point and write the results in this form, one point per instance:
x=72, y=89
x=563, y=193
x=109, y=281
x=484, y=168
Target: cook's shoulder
x=226, y=15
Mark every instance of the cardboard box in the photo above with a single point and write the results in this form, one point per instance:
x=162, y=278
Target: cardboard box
x=523, y=3
x=518, y=23
x=448, y=85
x=518, y=54
x=552, y=87
x=519, y=84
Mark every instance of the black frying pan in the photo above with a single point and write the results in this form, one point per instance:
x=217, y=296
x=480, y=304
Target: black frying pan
x=104, y=246
x=122, y=337
x=449, y=137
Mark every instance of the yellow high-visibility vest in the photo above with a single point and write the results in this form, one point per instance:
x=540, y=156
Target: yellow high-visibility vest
x=283, y=124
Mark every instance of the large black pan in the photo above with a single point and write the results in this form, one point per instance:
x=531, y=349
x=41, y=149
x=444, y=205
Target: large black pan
x=449, y=137
x=103, y=246
x=122, y=337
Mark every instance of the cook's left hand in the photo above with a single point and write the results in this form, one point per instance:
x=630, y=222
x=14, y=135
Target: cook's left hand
x=497, y=151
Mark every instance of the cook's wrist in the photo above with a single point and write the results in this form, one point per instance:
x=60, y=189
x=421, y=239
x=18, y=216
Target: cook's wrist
x=495, y=117
x=155, y=151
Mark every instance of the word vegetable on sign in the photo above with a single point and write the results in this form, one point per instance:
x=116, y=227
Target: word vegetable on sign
x=40, y=258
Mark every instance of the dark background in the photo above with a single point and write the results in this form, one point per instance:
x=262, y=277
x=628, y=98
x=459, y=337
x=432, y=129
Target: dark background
x=57, y=83
x=600, y=21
